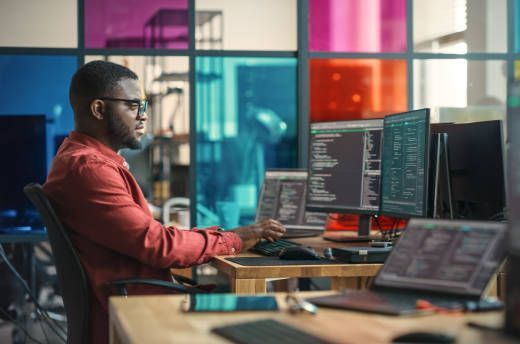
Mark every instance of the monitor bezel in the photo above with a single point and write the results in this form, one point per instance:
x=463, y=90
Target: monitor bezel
x=426, y=170
x=344, y=210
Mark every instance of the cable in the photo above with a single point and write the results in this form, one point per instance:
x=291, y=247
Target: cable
x=312, y=283
x=44, y=333
x=39, y=307
x=18, y=326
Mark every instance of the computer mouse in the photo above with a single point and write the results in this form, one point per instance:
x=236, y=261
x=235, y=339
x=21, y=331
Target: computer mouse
x=298, y=252
x=423, y=337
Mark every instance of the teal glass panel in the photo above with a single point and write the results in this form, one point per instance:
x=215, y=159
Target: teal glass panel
x=246, y=121
x=517, y=25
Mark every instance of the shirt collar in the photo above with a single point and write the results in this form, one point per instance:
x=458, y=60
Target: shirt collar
x=98, y=145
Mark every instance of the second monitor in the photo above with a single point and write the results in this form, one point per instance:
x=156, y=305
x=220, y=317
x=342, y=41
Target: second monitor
x=344, y=168
x=405, y=163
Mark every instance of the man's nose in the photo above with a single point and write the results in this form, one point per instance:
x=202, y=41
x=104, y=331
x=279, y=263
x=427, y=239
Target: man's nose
x=143, y=117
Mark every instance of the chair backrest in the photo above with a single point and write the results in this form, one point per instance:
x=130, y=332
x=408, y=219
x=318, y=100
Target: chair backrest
x=71, y=276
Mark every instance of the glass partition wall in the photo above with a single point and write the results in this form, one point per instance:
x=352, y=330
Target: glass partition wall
x=233, y=84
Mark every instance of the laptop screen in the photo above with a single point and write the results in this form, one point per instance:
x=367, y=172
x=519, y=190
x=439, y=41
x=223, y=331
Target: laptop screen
x=457, y=257
x=283, y=199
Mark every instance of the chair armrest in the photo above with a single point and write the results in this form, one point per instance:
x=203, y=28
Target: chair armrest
x=121, y=285
x=185, y=280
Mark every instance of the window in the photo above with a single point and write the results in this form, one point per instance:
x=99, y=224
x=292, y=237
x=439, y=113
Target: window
x=246, y=122
x=356, y=88
x=38, y=85
x=32, y=23
x=460, y=26
x=357, y=25
x=136, y=24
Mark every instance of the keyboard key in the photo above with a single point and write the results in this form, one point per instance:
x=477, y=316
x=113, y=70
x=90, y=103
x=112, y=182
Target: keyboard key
x=267, y=248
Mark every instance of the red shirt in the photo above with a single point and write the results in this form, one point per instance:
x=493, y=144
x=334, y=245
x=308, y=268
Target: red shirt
x=99, y=202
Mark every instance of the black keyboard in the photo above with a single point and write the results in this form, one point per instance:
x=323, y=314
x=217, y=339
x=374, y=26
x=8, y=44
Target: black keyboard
x=266, y=332
x=268, y=248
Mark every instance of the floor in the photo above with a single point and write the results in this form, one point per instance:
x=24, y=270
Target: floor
x=9, y=334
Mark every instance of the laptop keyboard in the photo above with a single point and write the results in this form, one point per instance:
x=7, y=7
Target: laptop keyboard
x=267, y=248
x=402, y=300
x=266, y=332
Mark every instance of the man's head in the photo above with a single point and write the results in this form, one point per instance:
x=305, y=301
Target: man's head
x=108, y=105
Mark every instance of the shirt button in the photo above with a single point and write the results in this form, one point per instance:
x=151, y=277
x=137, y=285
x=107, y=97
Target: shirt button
x=233, y=250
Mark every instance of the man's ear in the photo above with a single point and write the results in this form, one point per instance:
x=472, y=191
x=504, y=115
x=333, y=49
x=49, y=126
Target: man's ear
x=97, y=108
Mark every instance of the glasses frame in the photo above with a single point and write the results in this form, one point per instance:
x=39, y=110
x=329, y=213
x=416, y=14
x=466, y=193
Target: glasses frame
x=142, y=104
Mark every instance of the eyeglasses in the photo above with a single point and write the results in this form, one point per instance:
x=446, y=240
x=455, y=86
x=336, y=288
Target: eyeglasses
x=142, y=104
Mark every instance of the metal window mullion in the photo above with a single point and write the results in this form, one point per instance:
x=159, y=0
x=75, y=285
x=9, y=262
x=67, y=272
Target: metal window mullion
x=192, y=114
x=302, y=82
x=409, y=54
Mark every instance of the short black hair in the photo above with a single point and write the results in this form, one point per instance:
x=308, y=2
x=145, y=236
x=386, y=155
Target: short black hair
x=97, y=79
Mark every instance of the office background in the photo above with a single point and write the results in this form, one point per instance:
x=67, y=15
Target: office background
x=233, y=84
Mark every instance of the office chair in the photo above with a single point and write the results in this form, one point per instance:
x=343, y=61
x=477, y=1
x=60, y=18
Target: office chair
x=71, y=276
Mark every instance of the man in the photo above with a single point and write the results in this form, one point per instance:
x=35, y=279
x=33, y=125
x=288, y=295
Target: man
x=101, y=205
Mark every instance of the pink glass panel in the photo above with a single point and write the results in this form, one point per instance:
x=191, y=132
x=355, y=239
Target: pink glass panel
x=357, y=25
x=136, y=24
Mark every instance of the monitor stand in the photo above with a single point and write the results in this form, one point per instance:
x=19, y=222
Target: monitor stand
x=441, y=199
x=364, y=226
x=363, y=233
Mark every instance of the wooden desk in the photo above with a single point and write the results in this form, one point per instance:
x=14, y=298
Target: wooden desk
x=252, y=279
x=158, y=319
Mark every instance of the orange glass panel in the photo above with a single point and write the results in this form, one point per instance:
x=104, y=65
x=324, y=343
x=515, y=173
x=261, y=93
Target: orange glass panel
x=356, y=88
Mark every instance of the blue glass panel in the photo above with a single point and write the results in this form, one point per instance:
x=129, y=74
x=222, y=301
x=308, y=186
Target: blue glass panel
x=38, y=85
x=246, y=122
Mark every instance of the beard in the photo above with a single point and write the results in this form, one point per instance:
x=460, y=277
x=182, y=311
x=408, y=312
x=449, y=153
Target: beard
x=120, y=133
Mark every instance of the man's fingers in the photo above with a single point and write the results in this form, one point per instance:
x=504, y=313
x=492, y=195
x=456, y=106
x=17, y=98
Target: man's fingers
x=272, y=235
x=273, y=225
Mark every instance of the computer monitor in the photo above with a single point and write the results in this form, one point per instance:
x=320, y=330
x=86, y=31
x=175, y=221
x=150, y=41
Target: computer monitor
x=283, y=198
x=344, y=168
x=24, y=153
x=476, y=169
x=404, y=164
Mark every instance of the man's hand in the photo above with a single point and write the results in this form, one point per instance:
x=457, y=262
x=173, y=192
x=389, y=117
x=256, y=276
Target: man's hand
x=268, y=229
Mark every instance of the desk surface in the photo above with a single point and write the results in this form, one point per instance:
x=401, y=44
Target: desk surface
x=235, y=270
x=29, y=237
x=252, y=279
x=158, y=319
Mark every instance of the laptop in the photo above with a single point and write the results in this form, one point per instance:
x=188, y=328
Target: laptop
x=283, y=198
x=447, y=263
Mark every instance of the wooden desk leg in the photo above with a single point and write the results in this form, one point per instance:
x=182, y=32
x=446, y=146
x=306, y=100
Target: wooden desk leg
x=492, y=290
x=248, y=286
x=113, y=336
x=501, y=285
x=338, y=283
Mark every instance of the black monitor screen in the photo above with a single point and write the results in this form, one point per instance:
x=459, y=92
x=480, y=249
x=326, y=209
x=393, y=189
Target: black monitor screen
x=283, y=198
x=514, y=180
x=345, y=166
x=23, y=147
x=405, y=164
x=476, y=169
